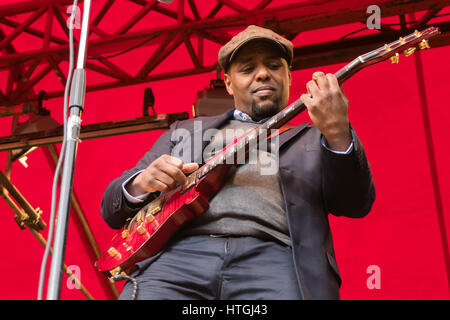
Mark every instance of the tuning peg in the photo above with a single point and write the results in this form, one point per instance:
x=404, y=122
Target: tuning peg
x=125, y=233
x=424, y=44
x=409, y=51
x=395, y=58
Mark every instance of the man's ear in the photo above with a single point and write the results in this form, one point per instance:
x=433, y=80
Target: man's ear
x=290, y=78
x=227, y=80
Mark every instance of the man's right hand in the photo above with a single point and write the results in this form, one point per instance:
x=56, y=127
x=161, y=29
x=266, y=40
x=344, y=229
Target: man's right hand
x=161, y=175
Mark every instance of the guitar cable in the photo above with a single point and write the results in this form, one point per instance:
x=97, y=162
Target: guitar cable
x=120, y=277
x=60, y=160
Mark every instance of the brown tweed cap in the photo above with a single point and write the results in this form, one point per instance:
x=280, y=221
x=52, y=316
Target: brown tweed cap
x=252, y=32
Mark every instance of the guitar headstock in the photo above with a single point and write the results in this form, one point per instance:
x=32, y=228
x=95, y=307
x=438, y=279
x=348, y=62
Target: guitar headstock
x=406, y=45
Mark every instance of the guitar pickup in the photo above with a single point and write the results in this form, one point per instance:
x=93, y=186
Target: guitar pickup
x=113, y=252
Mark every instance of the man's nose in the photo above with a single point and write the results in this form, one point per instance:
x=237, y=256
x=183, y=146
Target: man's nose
x=262, y=74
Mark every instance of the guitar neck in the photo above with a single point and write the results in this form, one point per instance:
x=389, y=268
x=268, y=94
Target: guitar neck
x=256, y=136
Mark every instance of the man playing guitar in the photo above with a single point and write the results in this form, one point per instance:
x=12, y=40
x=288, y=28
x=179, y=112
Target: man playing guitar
x=265, y=234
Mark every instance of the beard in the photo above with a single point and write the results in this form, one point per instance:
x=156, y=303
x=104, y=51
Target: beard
x=265, y=109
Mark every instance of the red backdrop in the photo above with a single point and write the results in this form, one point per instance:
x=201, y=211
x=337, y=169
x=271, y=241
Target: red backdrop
x=401, y=235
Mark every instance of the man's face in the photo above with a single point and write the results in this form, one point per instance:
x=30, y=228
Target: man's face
x=259, y=79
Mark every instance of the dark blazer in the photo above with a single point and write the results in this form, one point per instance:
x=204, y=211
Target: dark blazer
x=314, y=182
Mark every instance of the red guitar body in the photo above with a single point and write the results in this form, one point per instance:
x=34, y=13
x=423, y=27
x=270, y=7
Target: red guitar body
x=155, y=224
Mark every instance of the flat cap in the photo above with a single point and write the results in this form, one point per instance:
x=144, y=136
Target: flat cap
x=252, y=32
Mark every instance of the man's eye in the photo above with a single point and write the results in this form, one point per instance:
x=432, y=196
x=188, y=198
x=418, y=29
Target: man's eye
x=274, y=65
x=247, y=69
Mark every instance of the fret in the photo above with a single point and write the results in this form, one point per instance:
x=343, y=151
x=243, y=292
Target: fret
x=219, y=160
x=251, y=136
x=207, y=169
x=271, y=122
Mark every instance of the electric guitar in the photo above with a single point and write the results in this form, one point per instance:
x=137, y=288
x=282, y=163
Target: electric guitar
x=146, y=233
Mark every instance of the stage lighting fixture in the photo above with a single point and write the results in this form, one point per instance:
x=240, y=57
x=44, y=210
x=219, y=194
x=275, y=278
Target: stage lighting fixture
x=213, y=100
x=36, y=123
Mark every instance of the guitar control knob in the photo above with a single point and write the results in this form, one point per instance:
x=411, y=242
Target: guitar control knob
x=141, y=229
x=113, y=252
x=151, y=219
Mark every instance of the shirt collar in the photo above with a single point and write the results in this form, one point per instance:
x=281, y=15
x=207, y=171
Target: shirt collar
x=242, y=116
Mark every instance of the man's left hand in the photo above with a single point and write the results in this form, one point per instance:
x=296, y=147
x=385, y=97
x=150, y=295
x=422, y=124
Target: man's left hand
x=328, y=109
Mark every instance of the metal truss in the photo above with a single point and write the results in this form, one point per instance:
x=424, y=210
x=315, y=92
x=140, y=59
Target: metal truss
x=91, y=131
x=28, y=217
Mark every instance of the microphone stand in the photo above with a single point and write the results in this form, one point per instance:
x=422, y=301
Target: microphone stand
x=76, y=105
